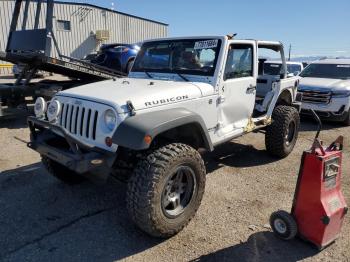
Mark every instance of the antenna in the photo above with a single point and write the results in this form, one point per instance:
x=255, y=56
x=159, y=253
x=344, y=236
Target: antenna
x=290, y=51
x=231, y=36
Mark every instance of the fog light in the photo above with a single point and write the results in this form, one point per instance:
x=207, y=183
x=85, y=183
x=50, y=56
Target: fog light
x=109, y=141
x=53, y=110
x=40, y=107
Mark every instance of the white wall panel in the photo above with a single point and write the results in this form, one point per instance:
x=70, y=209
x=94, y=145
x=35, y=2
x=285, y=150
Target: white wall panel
x=85, y=20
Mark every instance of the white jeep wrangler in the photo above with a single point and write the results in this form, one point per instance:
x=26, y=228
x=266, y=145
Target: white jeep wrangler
x=182, y=94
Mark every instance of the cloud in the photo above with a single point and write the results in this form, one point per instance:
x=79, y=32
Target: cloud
x=341, y=51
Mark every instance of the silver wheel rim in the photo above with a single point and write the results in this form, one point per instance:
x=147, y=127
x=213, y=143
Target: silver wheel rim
x=290, y=133
x=280, y=226
x=178, y=191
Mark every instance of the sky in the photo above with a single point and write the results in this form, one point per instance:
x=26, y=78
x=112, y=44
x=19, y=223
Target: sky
x=312, y=27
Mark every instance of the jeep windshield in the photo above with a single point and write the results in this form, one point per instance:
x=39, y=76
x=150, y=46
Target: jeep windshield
x=185, y=56
x=333, y=71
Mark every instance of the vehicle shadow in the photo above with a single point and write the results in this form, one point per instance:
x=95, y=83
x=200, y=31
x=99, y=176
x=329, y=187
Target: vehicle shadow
x=236, y=155
x=310, y=124
x=41, y=217
x=263, y=246
x=15, y=121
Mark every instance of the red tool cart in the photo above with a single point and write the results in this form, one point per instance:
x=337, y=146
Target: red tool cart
x=319, y=207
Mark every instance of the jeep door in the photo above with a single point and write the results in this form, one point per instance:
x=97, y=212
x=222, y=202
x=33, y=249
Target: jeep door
x=238, y=89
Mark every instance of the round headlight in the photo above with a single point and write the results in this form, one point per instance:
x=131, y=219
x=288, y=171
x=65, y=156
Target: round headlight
x=53, y=110
x=40, y=107
x=110, y=119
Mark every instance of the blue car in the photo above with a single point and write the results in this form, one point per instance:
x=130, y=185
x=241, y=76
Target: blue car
x=119, y=57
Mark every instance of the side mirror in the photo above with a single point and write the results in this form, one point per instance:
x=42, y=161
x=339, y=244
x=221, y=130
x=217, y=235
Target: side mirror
x=296, y=73
x=290, y=75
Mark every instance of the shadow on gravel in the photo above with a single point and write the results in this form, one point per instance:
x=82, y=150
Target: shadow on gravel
x=236, y=155
x=14, y=122
x=263, y=246
x=42, y=219
x=309, y=124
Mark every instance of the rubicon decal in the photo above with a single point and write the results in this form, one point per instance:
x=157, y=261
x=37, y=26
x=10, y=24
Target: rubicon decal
x=166, y=100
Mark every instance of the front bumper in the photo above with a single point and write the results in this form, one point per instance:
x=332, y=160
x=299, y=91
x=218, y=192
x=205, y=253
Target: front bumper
x=78, y=156
x=336, y=110
x=330, y=116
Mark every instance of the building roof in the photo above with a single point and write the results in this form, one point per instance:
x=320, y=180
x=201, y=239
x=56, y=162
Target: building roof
x=102, y=8
x=109, y=10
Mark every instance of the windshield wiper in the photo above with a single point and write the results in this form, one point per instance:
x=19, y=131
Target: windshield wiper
x=183, y=77
x=148, y=74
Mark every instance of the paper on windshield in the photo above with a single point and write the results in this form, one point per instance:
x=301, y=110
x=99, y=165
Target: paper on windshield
x=206, y=44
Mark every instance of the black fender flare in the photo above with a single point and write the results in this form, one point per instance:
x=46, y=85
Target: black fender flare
x=132, y=131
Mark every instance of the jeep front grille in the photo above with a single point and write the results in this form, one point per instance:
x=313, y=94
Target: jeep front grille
x=316, y=97
x=79, y=120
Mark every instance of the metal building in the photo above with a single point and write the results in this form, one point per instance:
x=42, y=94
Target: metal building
x=81, y=28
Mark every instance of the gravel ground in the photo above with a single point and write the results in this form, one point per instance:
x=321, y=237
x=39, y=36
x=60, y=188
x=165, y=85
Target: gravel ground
x=43, y=220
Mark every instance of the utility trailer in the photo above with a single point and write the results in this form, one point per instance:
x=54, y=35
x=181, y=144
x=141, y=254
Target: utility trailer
x=33, y=47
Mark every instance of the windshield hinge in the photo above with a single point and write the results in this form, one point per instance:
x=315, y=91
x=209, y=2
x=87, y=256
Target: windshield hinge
x=131, y=108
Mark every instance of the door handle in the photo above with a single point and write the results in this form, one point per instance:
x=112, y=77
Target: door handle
x=251, y=88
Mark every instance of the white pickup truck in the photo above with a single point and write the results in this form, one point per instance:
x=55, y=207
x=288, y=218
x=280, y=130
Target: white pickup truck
x=182, y=94
x=325, y=88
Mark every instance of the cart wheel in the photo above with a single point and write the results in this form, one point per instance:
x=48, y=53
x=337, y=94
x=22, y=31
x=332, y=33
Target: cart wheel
x=283, y=225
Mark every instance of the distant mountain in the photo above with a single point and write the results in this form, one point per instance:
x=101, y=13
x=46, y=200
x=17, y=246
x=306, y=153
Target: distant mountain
x=314, y=58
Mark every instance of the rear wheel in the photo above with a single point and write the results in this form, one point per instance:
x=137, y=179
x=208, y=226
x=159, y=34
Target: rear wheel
x=61, y=172
x=282, y=134
x=166, y=189
x=283, y=225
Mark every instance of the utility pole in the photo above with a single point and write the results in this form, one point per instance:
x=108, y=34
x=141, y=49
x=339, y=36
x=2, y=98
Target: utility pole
x=290, y=50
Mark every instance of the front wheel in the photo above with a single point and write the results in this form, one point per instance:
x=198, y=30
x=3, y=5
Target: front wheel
x=166, y=189
x=282, y=134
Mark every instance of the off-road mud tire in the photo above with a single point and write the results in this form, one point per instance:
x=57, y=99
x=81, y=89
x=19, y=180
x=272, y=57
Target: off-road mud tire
x=275, y=138
x=145, y=189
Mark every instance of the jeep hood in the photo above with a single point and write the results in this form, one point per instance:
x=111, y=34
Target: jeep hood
x=324, y=84
x=142, y=93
